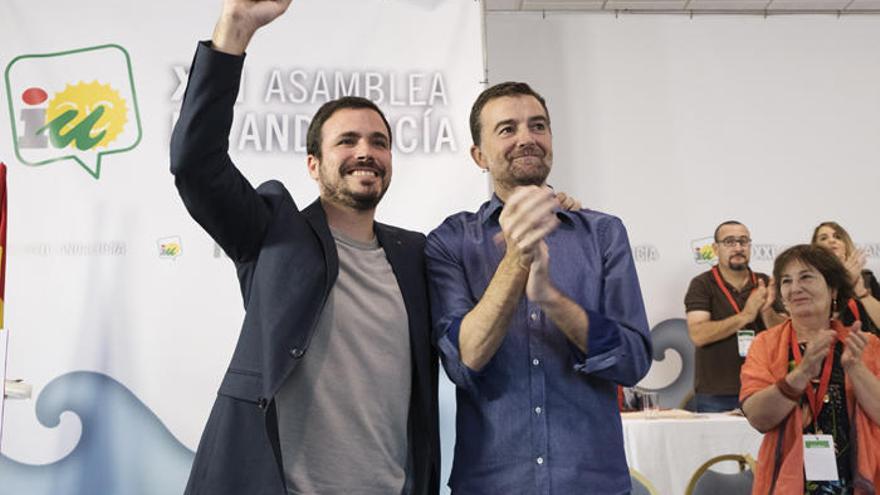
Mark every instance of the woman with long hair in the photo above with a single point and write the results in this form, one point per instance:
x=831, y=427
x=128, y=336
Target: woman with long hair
x=865, y=303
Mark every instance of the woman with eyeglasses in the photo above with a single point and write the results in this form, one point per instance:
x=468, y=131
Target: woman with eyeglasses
x=865, y=303
x=812, y=386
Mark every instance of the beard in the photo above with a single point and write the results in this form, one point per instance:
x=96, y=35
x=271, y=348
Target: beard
x=528, y=166
x=336, y=188
x=738, y=266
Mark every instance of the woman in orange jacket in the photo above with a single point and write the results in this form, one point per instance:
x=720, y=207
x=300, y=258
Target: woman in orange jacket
x=813, y=376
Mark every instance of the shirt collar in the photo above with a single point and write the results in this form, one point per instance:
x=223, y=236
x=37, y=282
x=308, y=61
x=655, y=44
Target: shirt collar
x=492, y=209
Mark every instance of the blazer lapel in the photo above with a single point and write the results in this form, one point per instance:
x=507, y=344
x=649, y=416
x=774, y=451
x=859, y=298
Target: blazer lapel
x=410, y=279
x=317, y=219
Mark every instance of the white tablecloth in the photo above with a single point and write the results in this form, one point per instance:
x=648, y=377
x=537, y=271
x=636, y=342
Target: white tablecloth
x=669, y=451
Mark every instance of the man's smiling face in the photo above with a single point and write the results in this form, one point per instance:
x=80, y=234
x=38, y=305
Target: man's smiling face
x=355, y=165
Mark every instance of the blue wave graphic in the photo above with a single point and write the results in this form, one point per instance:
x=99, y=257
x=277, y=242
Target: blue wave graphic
x=123, y=449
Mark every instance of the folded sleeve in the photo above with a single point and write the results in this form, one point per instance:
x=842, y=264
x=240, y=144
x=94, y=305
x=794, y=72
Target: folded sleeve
x=450, y=300
x=618, y=340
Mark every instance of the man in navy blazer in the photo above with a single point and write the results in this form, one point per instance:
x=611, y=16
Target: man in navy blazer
x=332, y=386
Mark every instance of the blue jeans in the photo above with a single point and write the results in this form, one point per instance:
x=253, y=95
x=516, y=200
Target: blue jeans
x=716, y=403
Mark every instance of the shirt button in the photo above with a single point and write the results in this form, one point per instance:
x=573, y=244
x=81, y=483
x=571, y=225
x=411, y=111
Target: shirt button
x=540, y=460
x=536, y=362
x=538, y=410
x=534, y=316
x=296, y=353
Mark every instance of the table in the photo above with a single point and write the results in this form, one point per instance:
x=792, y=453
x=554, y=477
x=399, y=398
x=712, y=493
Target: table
x=668, y=451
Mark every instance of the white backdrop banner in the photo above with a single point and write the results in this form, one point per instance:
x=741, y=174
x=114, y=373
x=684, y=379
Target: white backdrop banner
x=125, y=312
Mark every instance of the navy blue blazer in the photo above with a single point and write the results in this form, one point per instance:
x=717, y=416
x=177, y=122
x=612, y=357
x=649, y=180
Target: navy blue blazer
x=287, y=263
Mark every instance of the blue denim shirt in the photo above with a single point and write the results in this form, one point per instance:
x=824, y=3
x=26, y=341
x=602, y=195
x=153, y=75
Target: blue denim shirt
x=541, y=417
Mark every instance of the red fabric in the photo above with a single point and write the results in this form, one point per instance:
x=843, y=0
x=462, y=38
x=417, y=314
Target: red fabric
x=2, y=239
x=766, y=363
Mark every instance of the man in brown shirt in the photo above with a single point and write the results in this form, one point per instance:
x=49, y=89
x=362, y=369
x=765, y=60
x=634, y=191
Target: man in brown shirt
x=726, y=306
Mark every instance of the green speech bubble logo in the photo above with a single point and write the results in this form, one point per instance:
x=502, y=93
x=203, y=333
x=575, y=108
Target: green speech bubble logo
x=75, y=105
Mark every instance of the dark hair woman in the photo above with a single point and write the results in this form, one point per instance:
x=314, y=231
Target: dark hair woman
x=812, y=381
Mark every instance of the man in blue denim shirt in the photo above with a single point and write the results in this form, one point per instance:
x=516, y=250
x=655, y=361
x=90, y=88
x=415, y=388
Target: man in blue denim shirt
x=538, y=316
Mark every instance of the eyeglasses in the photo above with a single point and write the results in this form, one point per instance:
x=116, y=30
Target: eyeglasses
x=730, y=242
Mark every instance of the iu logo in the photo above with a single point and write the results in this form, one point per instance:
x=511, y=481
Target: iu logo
x=704, y=251
x=78, y=105
x=170, y=247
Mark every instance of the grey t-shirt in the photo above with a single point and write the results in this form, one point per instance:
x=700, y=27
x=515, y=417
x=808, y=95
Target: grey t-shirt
x=342, y=414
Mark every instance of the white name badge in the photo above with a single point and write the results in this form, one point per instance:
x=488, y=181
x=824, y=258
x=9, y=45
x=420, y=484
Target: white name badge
x=819, y=461
x=744, y=340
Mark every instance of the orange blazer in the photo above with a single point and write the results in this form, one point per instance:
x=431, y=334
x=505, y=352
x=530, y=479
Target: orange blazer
x=780, y=468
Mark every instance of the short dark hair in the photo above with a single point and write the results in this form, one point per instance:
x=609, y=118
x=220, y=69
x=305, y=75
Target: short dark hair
x=824, y=261
x=840, y=231
x=313, y=136
x=509, y=88
x=723, y=224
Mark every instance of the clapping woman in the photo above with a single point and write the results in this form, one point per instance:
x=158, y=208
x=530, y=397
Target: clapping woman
x=865, y=303
x=814, y=376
